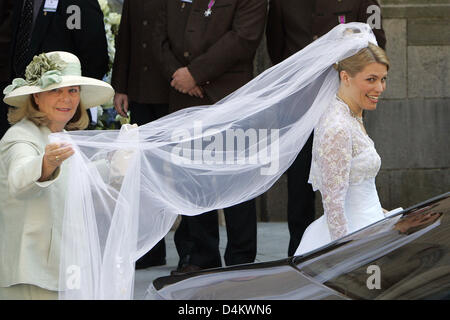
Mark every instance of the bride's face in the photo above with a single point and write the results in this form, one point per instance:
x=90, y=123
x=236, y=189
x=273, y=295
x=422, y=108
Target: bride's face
x=365, y=88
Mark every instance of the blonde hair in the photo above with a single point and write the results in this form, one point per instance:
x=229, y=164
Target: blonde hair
x=356, y=63
x=30, y=110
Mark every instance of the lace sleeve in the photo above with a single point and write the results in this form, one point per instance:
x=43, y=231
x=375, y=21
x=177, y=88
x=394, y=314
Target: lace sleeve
x=334, y=155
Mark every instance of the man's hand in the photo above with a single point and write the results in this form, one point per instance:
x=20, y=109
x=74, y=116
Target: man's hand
x=196, y=92
x=121, y=104
x=182, y=80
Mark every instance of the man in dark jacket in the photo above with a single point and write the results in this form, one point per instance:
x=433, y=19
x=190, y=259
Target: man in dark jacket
x=206, y=50
x=139, y=84
x=291, y=26
x=74, y=26
x=6, y=12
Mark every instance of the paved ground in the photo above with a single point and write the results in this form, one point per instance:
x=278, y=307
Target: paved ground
x=273, y=239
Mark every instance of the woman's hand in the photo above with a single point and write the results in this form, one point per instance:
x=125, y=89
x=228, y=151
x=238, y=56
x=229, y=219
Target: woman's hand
x=121, y=158
x=416, y=219
x=55, y=154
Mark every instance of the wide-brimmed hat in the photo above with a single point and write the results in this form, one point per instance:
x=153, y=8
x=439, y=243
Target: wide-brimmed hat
x=54, y=70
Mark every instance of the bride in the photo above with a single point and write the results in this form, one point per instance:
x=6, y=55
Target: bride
x=345, y=162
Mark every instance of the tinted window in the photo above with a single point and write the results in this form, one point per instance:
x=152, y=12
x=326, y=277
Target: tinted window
x=403, y=257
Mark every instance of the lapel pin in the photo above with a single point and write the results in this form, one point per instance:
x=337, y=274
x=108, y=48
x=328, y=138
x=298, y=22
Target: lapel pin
x=208, y=11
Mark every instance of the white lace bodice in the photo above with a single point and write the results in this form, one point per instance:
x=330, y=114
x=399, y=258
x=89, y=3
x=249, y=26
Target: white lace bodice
x=343, y=155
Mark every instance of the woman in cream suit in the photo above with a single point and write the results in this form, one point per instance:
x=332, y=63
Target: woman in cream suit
x=33, y=172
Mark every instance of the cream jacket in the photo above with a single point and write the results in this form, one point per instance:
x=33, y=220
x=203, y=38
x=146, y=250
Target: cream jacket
x=30, y=212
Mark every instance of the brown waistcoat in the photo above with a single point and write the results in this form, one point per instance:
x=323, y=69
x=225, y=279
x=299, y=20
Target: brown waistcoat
x=218, y=49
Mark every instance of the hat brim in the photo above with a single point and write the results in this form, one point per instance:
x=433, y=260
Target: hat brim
x=93, y=92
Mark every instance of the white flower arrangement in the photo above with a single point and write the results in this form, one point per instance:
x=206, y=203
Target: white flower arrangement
x=112, y=22
x=107, y=117
x=104, y=6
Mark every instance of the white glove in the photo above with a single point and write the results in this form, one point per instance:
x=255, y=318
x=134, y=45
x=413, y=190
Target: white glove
x=121, y=158
x=393, y=211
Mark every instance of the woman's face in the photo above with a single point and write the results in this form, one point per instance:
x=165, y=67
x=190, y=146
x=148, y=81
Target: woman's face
x=365, y=88
x=59, y=104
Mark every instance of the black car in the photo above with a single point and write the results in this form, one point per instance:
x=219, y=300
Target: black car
x=404, y=256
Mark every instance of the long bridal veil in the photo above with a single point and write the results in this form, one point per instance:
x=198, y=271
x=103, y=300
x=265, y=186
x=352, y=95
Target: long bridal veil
x=127, y=187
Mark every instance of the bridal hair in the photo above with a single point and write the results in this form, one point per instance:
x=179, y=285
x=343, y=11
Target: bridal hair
x=30, y=110
x=356, y=63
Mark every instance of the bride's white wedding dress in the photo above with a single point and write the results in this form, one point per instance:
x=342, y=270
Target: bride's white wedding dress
x=343, y=168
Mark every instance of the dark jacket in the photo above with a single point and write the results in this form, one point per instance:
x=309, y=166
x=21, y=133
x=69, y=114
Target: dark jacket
x=293, y=24
x=6, y=13
x=217, y=49
x=52, y=34
x=135, y=72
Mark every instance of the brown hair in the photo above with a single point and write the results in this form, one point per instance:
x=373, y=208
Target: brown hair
x=356, y=63
x=79, y=121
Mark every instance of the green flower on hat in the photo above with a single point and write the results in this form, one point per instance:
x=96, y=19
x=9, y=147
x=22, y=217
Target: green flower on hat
x=44, y=70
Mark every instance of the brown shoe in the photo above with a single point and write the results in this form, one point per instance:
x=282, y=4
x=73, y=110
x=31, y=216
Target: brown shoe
x=187, y=268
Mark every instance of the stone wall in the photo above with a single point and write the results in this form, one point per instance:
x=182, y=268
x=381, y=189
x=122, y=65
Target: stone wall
x=411, y=126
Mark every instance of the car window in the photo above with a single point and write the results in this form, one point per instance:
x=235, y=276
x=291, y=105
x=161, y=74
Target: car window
x=406, y=256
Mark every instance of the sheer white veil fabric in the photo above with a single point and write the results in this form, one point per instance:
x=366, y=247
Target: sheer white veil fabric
x=127, y=187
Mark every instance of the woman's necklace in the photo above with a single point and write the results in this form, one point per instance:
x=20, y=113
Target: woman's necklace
x=358, y=118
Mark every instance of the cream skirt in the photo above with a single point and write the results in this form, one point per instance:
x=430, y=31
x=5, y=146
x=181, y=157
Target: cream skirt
x=27, y=292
